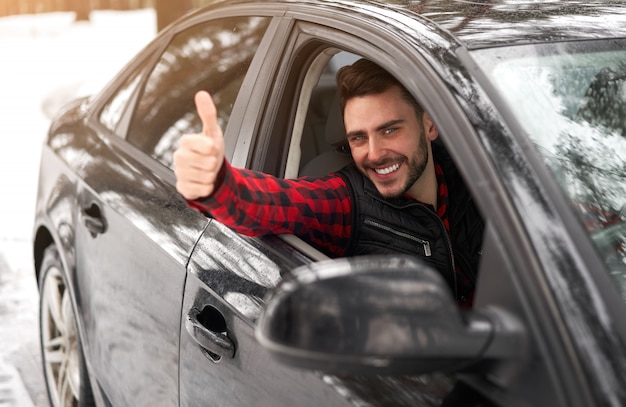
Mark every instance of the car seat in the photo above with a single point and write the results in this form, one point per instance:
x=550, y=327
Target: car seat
x=335, y=136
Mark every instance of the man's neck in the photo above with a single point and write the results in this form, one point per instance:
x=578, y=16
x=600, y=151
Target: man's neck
x=425, y=188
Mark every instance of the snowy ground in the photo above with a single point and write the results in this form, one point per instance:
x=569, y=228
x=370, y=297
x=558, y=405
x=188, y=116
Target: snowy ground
x=44, y=59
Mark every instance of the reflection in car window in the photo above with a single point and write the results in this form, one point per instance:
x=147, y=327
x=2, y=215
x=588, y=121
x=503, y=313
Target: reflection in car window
x=571, y=101
x=112, y=112
x=213, y=56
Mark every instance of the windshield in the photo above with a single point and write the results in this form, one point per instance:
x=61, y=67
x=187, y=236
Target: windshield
x=570, y=99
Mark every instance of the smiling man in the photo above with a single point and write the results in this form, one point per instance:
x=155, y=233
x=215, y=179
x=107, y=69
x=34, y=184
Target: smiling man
x=403, y=194
x=389, y=135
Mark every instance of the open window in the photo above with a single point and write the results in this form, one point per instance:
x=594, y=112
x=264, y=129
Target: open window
x=317, y=145
x=322, y=146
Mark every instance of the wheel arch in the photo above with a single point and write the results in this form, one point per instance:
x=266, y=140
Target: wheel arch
x=43, y=239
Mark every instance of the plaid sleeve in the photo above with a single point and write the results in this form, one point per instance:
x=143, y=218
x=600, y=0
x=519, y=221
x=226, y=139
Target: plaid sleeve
x=318, y=210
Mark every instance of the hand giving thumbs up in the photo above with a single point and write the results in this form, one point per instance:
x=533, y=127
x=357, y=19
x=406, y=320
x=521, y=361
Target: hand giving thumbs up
x=199, y=157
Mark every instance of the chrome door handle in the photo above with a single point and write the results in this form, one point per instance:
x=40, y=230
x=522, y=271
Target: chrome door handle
x=208, y=329
x=93, y=220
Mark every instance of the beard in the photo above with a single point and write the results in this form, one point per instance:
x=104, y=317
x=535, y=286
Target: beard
x=417, y=165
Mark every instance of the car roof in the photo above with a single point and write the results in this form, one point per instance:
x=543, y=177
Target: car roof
x=483, y=23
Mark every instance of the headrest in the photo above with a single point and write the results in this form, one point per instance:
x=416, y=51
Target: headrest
x=335, y=129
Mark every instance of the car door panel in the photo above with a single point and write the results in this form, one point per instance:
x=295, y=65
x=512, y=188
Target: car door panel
x=424, y=390
x=126, y=297
x=228, y=278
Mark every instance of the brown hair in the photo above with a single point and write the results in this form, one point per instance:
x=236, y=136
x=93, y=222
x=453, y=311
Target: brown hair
x=364, y=78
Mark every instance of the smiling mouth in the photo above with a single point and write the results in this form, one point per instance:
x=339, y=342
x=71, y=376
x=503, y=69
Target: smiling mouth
x=387, y=170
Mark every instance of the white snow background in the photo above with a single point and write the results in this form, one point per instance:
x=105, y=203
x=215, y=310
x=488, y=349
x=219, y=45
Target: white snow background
x=45, y=59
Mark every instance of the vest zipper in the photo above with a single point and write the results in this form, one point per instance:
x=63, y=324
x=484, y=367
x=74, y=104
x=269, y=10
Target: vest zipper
x=425, y=243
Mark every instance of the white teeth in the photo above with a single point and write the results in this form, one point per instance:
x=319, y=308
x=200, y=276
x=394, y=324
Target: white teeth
x=388, y=170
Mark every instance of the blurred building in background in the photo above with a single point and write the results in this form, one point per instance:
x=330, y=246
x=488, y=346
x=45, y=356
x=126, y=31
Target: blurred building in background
x=166, y=10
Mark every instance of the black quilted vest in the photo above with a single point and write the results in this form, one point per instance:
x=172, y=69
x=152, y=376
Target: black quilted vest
x=403, y=225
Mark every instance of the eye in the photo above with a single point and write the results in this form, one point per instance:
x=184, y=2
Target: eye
x=390, y=130
x=356, y=138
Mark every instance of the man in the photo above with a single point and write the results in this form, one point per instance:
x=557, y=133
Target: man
x=402, y=195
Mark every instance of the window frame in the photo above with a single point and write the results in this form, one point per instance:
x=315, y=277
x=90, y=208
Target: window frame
x=138, y=73
x=139, y=131
x=268, y=47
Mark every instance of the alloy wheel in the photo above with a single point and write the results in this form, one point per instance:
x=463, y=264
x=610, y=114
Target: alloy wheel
x=59, y=341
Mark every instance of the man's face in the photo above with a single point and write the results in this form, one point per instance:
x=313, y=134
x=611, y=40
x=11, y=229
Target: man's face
x=387, y=141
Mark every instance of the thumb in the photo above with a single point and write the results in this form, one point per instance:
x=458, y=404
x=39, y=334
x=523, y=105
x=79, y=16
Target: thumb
x=207, y=112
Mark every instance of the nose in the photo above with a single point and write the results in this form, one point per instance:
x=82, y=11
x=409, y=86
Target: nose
x=376, y=149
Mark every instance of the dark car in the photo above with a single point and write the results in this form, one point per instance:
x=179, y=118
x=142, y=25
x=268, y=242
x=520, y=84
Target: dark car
x=146, y=302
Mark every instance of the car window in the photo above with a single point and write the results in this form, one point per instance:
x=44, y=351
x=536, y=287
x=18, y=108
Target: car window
x=323, y=147
x=571, y=100
x=113, y=110
x=214, y=56
x=317, y=139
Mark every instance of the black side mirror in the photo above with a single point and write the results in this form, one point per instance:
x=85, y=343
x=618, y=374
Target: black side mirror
x=379, y=315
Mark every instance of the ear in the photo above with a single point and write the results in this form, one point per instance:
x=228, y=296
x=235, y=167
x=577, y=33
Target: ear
x=430, y=130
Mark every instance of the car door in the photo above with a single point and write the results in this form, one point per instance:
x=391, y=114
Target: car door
x=137, y=232
x=133, y=241
x=229, y=275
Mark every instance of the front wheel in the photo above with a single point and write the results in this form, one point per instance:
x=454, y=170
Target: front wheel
x=64, y=368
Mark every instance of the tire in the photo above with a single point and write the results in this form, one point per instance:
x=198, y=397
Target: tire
x=64, y=366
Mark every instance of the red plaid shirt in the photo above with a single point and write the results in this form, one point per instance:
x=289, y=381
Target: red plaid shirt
x=318, y=210
x=253, y=203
